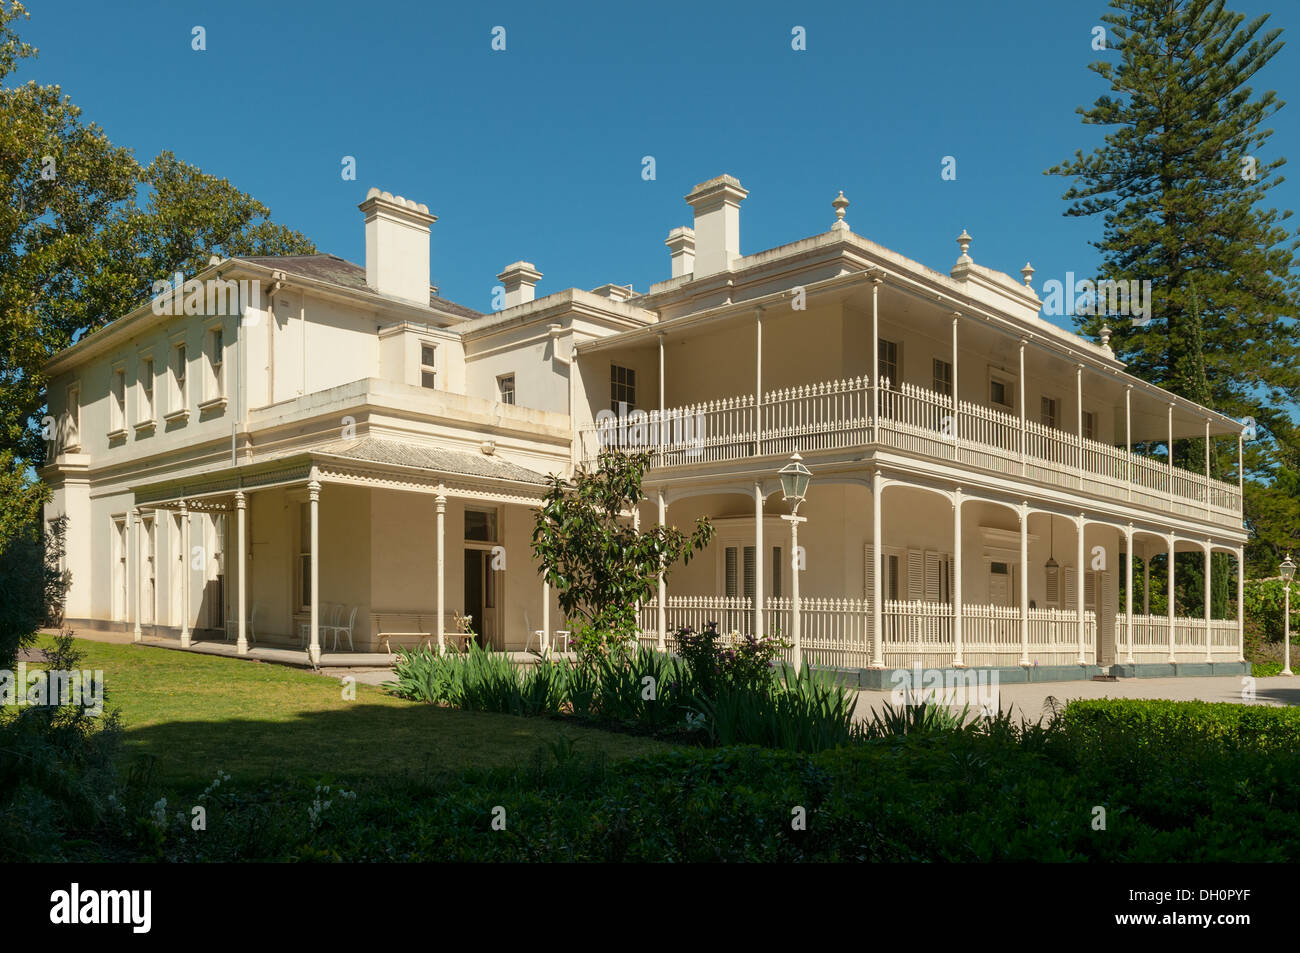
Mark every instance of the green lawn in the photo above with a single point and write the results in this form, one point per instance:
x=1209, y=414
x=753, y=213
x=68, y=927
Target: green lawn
x=256, y=721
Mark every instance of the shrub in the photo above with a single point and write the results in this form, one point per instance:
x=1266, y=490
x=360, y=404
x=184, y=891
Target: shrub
x=1163, y=723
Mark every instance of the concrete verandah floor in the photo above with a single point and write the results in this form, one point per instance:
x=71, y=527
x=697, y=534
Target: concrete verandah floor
x=275, y=653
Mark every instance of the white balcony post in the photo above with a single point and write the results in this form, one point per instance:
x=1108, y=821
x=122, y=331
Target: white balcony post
x=1170, y=445
x=1209, y=560
x=1023, y=427
x=1128, y=438
x=1173, y=562
x=1024, y=583
x=758, y=382
x=241, y=520
x=877, y=589
x=662, y=396
x=875, y=359
x=662, y=608
x=1241, y=604
x=758, y=560
x=313, y=646
x=958, y=658
x=956, y=406
x=1241, y=470
x=1080, y=575
x=186, y=637
x=440, y=518
x=136, y=634
x=1078, y=413
x=1128, y=591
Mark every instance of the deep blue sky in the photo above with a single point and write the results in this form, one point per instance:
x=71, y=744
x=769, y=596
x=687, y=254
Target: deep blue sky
x=535, y=153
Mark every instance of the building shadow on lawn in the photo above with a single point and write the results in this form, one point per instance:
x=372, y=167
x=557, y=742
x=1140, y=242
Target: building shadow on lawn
x=361, y=741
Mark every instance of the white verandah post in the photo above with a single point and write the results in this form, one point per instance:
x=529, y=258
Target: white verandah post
x=877, y=589
x=1128, y=591
x=136, y=634
x=440, y=624
x=758, y=560
x=1209, y=561
x=186, y=634
x=958, y=658
x=1081, y=575
x=1024, y=583
x=241, y=520
x=1172, y=567
x=313, y=648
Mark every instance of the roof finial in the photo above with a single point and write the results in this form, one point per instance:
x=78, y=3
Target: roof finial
x=1105, y=334
x=1028, y=272
x=840, y=204
x=963, y=242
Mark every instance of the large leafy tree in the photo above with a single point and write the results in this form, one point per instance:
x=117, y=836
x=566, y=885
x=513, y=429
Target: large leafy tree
x=84, y=232
x=1180, y=183
x=599, y=564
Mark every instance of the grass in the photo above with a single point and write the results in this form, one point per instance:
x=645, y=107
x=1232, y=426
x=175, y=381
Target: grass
x=261, y=722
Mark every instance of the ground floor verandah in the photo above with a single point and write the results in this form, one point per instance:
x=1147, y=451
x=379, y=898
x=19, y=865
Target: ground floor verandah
x=335, y=558
x=893, y=568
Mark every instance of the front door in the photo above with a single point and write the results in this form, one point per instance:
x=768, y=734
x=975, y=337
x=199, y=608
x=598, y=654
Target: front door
x=1097, y=597
x=481, y=596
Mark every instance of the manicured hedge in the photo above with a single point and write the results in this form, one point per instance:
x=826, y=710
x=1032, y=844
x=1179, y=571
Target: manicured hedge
x=1162, y=722
x=1003, y=793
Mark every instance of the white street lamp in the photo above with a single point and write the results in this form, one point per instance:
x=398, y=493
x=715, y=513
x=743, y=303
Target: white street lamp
x=1288, y=573
x=794, y=486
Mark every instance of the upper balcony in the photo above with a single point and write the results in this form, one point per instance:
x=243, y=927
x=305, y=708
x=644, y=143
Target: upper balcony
x=843, y=414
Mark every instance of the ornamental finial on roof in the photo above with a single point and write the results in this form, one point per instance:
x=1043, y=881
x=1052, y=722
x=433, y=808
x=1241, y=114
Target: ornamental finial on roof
x=963, y=242
x=840, y=204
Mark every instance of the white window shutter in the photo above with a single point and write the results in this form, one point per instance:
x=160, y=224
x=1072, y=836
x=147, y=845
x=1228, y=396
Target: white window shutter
x=730, y=580
x=868, y=571
x=1090, y=590
x=915, y=575
x=749, y=572
x=1071, y=587
x=932, y=592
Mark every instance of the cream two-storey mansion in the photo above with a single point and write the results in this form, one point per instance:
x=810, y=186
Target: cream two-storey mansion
x=303, y=453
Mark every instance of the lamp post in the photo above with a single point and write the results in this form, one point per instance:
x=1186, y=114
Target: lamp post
x=1288, y=573
x=794, y=486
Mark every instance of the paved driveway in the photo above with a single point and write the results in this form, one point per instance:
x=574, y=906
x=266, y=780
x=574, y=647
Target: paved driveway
x=1027, y=699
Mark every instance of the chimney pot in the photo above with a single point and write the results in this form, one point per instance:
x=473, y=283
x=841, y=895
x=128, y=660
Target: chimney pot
x=397, y=246
x=681, y=248
x=520, y=280
x=717, y=224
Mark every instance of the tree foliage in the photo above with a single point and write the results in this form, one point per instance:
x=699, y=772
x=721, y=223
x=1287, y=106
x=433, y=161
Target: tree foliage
x=85, y=230
x=1180, y=183
x=599, y=565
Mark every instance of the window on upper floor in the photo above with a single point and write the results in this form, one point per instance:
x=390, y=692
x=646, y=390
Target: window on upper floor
x=622, y=387
x=216, y=364
x=1089, y=425
x=1048, y=414
x=428, y=365
x=117, y=405
x=145, y=410
x=180, y=394
x=506, y=388
x=72, y=414
x=942, y=377
x=887, y=369
x=1002, y=392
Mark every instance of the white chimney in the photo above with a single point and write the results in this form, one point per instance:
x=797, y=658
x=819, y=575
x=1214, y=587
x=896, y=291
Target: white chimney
x=614, y=292
x=681, y=246
x=520, y=280
x=717, y=224
x=397, y=246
